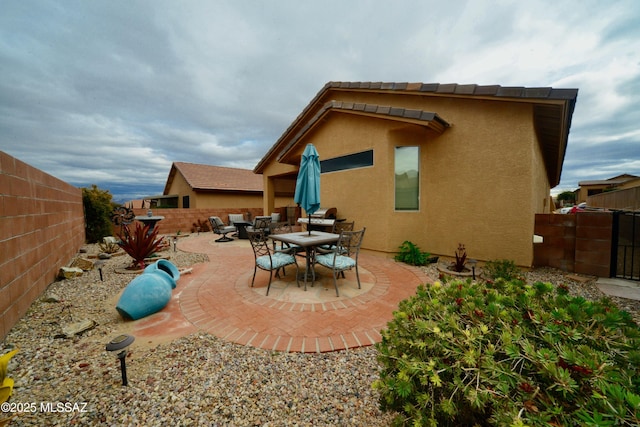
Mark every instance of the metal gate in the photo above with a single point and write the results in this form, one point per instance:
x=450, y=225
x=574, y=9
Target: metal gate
x=625, y=247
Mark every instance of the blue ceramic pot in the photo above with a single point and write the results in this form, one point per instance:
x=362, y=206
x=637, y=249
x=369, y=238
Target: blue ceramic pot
x=150, y=292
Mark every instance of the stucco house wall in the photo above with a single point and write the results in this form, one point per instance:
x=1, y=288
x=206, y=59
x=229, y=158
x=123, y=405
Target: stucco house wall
x=482, y=179
x=462, y=192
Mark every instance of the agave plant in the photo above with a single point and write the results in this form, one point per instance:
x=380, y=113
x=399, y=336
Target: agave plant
x=140, y=244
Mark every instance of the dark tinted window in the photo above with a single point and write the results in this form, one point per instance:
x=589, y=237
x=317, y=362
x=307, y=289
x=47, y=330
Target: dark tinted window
x=351, y=161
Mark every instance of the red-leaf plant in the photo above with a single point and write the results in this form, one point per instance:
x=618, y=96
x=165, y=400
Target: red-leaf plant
x=141, y=243
x=461, y=258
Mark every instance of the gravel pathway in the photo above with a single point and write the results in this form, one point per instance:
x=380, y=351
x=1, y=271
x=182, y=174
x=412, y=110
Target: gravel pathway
x=195, y=380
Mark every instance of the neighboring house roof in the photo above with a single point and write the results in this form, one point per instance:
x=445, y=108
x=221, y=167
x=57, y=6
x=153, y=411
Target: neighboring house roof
x=552, y=119
x=215, y=178
x=616, y=180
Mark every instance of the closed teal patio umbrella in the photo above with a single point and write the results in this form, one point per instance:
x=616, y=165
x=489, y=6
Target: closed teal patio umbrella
x=307, y=193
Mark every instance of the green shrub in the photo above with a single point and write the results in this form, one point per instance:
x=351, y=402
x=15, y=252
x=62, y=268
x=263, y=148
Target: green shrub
x=97, y=206
x=509, y=354
x=411, y=254
x=501, y=269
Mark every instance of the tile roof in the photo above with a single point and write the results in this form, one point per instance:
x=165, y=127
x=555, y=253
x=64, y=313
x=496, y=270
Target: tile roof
x=553, y=111
x=425, y=118
x=215, y=178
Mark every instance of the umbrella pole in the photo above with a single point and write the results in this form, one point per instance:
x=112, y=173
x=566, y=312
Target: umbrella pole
x=309, y=224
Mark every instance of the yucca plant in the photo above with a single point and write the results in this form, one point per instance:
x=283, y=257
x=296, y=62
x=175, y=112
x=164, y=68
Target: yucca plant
x=141, y=243
x=6, y=384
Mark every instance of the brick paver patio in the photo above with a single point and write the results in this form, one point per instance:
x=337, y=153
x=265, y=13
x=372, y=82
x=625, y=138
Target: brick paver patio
x=217, y=297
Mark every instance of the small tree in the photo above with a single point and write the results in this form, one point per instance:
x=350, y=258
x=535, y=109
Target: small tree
x=97, y=213
x=567, y=197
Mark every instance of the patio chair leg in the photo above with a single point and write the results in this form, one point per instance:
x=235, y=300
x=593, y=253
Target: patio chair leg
x=254, y=276
x=358, y=276
x=335, y=282
x=269, y=285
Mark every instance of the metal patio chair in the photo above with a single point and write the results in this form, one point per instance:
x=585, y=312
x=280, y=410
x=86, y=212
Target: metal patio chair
x=268, y=259
x=219, y=227
x=344, y=256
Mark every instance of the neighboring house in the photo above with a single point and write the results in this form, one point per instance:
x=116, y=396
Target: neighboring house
x=191, y=185
x=435, y=164
x=593, y=187
x=623, y=195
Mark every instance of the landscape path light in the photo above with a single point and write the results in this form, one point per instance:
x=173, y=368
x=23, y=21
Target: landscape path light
x=472, y=263
x=120, y=343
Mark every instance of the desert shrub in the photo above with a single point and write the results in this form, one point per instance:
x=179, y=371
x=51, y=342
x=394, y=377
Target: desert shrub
x=411, y=254
x=109, y=247
x=201, y=226
x=509, y=354
x=501, y=269
x=97, y=206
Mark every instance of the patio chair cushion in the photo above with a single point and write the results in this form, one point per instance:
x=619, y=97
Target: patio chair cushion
x=217, y=221
x=342, y=262
x=235, y=218
x=279, y=260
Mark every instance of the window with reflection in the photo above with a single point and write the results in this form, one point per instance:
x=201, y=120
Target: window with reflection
x=407, y=176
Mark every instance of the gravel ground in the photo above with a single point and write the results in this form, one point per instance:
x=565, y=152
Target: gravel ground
x=195, y=380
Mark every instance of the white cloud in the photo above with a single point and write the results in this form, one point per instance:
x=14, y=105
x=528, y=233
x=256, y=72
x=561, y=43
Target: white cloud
x=94, y=92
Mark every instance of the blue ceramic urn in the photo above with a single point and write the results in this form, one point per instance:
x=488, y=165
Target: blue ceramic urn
x=149, y=292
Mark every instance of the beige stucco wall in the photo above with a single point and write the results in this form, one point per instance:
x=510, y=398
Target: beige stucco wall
x=482, y=180
x=180, y=187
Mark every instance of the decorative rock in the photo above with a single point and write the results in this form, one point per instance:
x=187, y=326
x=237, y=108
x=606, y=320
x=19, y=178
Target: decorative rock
x=198, y=379
x=110, y=239
x=82, y=263
x=77, y=328
x=103, y=255
x=51, y=297
x=69, y=272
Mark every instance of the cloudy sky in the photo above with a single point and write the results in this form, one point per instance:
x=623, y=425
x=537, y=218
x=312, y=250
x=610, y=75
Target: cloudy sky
x=112, y=92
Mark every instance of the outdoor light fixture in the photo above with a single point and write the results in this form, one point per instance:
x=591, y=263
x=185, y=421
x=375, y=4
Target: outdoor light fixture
x=99, y=265
x=472, y=263
x=120, y=343
x=175, y=242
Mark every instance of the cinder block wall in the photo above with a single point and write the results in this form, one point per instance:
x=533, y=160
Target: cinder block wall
x=41, y=229
x=559, y=241
x=579, y=243
x=594, y=231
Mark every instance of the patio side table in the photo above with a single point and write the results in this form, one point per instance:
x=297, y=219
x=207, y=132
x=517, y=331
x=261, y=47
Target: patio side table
x=242, y=228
